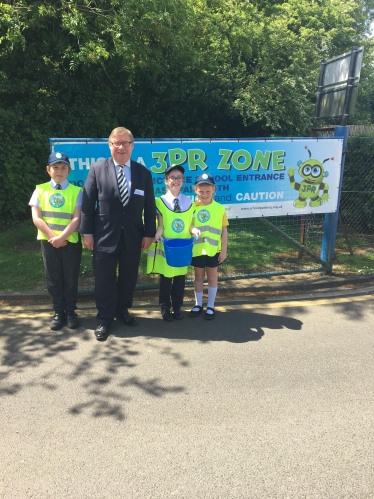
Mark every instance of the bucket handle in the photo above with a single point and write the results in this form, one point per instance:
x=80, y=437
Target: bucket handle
x=154, y=256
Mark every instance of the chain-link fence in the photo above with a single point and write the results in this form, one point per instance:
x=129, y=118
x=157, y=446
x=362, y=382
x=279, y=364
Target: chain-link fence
x=257, y=247
x=276, y=245
x=356, y=221
x=356, y=214
x=292, y=244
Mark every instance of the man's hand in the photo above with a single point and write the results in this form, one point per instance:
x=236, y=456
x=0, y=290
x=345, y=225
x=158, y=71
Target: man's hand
x=146, y=242
x=88, y=242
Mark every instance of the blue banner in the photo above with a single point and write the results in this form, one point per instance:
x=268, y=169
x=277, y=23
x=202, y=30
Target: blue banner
x=254, y=178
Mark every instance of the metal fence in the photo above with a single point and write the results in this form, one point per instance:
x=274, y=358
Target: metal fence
x=256, y=249
x=356, y=221
x=292, y=244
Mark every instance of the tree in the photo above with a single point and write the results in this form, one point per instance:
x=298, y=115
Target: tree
x=163, y=68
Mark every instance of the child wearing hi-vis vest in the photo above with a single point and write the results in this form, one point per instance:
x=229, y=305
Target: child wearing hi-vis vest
x=210, y=250
x=174, y=218
x=56, y=210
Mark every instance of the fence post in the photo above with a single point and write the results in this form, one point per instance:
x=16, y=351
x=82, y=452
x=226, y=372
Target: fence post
x=331, y=219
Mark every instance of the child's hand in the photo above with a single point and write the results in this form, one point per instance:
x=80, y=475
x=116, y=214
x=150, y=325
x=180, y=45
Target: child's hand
x=196, y=232
x=158, y=235
x=58, y=241
x=222, y=257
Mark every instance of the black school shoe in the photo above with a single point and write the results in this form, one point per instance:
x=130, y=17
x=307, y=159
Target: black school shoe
x=196, y=310
x=72, y=320
x=58, y=321
x=166, y=314
x=178, y=314
x=209, y=317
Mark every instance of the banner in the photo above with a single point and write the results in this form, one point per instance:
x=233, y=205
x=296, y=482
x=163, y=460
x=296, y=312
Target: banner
x=254, y=178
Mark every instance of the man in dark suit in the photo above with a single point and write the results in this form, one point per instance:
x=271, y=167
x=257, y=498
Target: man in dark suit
x=118, y=221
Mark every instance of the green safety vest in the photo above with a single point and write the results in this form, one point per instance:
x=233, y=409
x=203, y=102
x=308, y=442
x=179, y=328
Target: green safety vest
x=58, y=208
x=176, y=225
x=208, y=219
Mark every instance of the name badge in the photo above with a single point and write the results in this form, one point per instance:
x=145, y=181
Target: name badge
x=139, y=192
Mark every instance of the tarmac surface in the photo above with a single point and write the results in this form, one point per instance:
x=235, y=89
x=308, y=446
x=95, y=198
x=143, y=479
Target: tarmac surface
x=272, y=399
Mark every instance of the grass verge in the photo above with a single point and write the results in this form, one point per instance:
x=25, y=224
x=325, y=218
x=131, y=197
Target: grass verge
x=21, y=262
x=357, y=264
x=252, y=249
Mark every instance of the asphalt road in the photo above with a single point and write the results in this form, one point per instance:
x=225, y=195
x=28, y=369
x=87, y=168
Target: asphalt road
x=272, y=399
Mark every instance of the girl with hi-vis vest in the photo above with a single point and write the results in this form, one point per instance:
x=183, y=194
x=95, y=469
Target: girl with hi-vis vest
x=174, y=219
x=210, y=249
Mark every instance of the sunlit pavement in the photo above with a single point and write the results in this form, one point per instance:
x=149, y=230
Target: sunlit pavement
x=272, y=399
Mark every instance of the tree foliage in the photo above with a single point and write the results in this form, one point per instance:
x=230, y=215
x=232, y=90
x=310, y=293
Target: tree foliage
x=163, y=68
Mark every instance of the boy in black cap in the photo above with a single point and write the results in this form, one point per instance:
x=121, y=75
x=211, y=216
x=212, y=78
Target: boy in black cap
x=210, y=250
x=174, y=217
x=56, y=210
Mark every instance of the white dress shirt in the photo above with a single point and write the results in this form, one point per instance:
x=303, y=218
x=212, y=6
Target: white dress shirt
x=184, y=201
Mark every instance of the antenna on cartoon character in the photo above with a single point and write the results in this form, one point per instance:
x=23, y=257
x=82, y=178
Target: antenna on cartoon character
x=327, y=159
x=310, y=154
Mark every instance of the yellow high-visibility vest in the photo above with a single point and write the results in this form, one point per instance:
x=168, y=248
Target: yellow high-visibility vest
x=176, y=225
x=208, y=219
x=58, y=208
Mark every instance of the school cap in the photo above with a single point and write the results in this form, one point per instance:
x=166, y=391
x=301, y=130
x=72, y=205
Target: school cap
x=205, y=178
x=58, y=157
x=174, y=167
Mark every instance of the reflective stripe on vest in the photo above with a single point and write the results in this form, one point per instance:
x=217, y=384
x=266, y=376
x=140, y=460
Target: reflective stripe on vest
x=69, y=216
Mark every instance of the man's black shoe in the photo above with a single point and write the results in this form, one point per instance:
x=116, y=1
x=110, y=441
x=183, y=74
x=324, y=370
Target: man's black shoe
x=101, y=332
x=178, y=314
x=58, y=321
x=127, y=319
x=72, y=320
x=166, y=314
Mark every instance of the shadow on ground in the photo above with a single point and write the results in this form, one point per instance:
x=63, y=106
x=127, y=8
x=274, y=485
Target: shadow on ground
x=233, y=327
x=100, y=378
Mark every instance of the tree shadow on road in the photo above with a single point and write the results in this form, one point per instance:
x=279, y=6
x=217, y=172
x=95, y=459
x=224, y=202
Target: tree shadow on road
x=98, y=375
x=102, y=378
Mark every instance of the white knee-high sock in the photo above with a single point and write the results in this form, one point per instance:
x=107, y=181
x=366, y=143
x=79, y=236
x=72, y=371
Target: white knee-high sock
x=211, y=297
x=199, y=299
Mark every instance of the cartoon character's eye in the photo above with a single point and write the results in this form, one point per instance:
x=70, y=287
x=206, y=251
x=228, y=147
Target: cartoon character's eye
x=316, y=171
x=306, y=170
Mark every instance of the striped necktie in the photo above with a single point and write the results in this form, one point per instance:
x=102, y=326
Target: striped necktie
x=122, y=185
x=177, y=208
x=58, y=187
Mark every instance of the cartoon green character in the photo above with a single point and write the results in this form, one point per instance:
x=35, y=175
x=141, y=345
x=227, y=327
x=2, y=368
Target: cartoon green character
x=309, y=188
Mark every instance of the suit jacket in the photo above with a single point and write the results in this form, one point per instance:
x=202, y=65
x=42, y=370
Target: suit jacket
x=103, y=214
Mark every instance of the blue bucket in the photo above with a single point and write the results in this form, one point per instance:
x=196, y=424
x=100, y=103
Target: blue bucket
x=178, y=252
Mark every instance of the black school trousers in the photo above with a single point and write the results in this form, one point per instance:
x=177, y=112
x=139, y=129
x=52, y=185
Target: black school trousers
x=61, y=267
x=171, y=291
